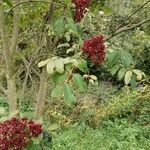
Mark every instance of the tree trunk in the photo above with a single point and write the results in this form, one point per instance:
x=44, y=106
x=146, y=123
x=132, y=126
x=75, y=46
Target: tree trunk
x=8, y=51
x=41, y=96
x=11, y=94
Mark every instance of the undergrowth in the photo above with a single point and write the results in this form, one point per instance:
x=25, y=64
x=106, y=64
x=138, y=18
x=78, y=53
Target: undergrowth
x=120, y=134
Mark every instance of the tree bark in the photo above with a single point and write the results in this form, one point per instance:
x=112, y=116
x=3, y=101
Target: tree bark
x=41, y=96
x=8, y=55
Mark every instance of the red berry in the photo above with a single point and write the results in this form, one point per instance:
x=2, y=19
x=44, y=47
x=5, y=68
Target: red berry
x=17, y=133
x=94, y=49
x=80, y=9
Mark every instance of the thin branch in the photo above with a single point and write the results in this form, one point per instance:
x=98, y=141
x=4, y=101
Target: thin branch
x=3, y=89
x=132, y=14
x=126, y=28
x=30, y=1
x=132, y=26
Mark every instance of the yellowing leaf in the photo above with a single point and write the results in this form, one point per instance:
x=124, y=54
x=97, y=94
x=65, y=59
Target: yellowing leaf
x=91, y=81
x=139, y=74
x=54, y=58
x=50, y=67
x=66, y=60
x=63, y=45
x=69, y=50
x=74, y=62
x=128, y=76
x=43, y=63
x=93, y=77
x=136, y=71
x=59, y=65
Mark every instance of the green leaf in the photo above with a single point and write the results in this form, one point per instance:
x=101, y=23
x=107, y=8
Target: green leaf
x=79, y=82
x=82, y=65
x=121, y=73
x=72, y=25
x=56, y=92
x=59, y=26
x=69, y=66
x=133, y=81
x=58, y=78
x=112, y=58
x=50, y=67
x=69, y=95
x=128, y=76
x=114, y=69
x=126, y=59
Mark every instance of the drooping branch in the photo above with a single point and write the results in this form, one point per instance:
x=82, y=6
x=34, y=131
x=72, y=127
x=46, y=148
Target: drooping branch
x=126, y=28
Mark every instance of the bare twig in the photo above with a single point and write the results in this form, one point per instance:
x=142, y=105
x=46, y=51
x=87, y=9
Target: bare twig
x=126, y=28
x=132, y=14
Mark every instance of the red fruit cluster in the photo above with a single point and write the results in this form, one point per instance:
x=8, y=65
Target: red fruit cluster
x=94, y=49
x=16, y=134
x=80, y=8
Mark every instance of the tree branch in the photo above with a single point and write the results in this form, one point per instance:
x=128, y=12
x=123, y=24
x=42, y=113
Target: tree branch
x=16, y=21
x=30, y=1
x=3, y=89
x=133, y=14
x=126, y=28
x=5, y=39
